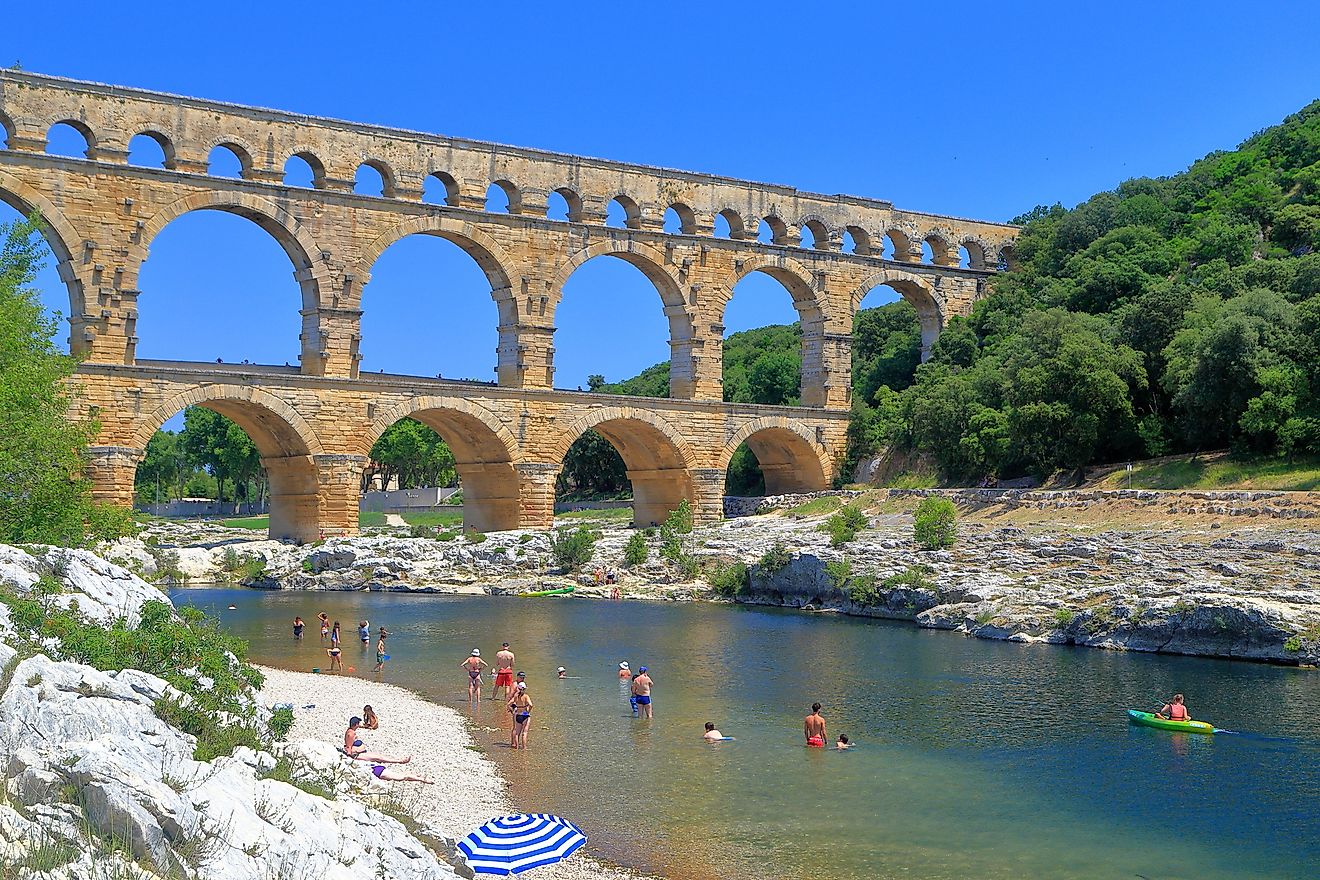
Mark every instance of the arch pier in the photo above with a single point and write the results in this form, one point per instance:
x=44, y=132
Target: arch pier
x=102, y=214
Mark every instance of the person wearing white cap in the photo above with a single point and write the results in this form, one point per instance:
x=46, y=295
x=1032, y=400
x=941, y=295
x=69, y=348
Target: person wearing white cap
x=563, y=673
x=624, y=671
x=474, y=664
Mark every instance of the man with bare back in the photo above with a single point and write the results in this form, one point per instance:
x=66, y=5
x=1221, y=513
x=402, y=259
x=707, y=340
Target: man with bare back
x=813, y=727
x=504, y=671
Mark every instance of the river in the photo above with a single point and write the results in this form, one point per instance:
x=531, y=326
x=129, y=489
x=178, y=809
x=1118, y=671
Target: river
x=974, y=758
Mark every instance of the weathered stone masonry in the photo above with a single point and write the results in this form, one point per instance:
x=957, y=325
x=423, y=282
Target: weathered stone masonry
x=311, y=422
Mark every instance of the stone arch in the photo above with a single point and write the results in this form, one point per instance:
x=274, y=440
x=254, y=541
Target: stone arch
x=903, y=240
x=977, y=251
x=788, y=452
x=943, y=252
x=1007, y=259
x=573, y=199
x=77, y=125
x=304, y=152
x=7, y=129
x=651, y=263
x=388, y=180
x=778, y=228
x=279, y=223
x=494, y=262
x=658, y=459
x=790, y=273
x=163, y=139
x=861, y=240
x=632, y=210
x=737, y=227
x=917, y=290
x=62, y=238
x=484, y=456
x=287, y=443
x=820, y=231
x=452, y=189
x=687, y=218
x=511, y=191
x=240, y=148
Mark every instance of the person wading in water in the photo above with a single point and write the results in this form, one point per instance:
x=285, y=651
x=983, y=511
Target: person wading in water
x=813, y=726
x=474, y=664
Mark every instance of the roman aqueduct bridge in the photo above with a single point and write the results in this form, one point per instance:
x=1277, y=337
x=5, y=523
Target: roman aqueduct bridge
x=315, y=423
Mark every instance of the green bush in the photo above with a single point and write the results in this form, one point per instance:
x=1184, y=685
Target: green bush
x=163, y=644
x=524, y=539
x=935, y=524
x=474, y=536
x=1063, y=617
x=252, y=569
x=281, y=721
x=775, y=558
x=839, y=571
x=635, y=551
x=862, y=590
x=915, y=577
x=572, y=548
x=731, y=580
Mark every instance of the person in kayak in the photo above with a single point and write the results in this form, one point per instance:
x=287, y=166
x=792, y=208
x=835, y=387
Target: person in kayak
x=813, y=727
x=1174, y=710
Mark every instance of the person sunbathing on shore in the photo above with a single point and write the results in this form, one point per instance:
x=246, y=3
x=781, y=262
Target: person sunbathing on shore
x=369, y=719
x=357, y=749
x=391, y=775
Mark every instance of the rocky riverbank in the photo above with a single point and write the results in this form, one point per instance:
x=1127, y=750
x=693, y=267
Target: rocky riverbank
x=1227, y=574
x=100, y=784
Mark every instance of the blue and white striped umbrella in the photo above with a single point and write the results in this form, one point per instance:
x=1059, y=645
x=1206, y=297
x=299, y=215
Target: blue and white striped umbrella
x=513, y=844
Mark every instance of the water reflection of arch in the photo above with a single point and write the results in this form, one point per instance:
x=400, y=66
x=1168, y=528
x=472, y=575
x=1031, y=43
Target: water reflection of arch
x=916, y=290
x=658, y=459
x=484, y=455
x=789, y=455
x=286, y=441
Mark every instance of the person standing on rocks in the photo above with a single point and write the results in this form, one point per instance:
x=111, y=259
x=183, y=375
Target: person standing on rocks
x=473, y=665
x=641, y=688
x=504, y=671
x=813, y=727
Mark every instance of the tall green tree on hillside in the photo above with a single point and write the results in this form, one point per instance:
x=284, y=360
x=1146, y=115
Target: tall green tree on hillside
x=44, y=496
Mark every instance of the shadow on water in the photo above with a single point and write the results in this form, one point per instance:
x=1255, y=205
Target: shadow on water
x=974, y=758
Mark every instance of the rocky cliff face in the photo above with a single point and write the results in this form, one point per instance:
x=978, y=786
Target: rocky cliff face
x=97, y=786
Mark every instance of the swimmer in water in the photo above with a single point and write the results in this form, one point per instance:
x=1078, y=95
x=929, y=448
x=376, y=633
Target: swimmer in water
x=563, y=673
x=473, y=665
x=843, y=743
x=712, y=735
x=813, y=727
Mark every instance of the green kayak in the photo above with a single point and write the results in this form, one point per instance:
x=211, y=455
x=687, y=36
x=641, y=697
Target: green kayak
x=559, y=592
x=1149, y=720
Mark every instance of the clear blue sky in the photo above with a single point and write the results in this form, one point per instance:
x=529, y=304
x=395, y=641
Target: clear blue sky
x=973, y=109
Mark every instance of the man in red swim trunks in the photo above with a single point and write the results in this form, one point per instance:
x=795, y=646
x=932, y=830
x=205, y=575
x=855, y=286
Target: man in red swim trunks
x=504, y=670
x=813, y=726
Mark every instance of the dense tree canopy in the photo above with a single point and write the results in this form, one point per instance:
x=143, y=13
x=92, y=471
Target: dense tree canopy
x=44, y=496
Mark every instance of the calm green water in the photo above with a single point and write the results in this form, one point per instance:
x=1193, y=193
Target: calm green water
x=975, y=758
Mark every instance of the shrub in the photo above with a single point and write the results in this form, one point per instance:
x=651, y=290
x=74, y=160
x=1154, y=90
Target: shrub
x=985, y=616
x=853, y=517
x=775, y=558
x=862, y=590
x=524, y=539
x=915, y=577
x=253, y=568
x=456, y=499
x=1063, y=617
x=731, y=580
x=421, y=532
x=635, y=551
x=474, y=536
x=281, y=721
x=839, y=572
x=935, y=524
x=307, y=565
x=572, y=548
x=231, y=560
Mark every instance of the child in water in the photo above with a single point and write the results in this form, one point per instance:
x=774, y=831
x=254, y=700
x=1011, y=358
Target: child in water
x=843, y=743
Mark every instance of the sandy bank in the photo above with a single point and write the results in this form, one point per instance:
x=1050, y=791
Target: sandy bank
x=468, y=789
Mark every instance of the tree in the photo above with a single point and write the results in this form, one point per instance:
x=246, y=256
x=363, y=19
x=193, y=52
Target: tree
x=159, y=472
x=595, y=381
x=775, y=377
x=935, y=524
x=415, y=454
x=44, y=496
x=213, y=442
x=592, y=468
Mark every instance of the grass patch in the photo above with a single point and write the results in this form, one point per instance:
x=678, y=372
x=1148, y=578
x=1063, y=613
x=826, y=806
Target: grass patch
x=432, y=517
x=283, y=772
x=1223, y=472
x=611, y=514
x=816, y=506
x=908, y=480
x=366, y=519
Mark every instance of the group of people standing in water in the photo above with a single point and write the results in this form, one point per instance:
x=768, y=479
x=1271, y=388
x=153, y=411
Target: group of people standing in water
x=330, y=633
x=517, y=700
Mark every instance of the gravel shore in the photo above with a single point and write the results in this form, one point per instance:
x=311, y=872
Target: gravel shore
x=468, y=789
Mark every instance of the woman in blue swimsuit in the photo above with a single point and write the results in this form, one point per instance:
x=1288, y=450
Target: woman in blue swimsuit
x=522, y=715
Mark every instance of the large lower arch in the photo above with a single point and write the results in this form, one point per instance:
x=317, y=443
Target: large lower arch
x=290, y=451
x=917, y=290
x=651, y=263
x=484, y=456
x=660, y=462
x=789, y=455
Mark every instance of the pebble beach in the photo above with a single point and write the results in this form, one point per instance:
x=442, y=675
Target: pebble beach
x=468, y=789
